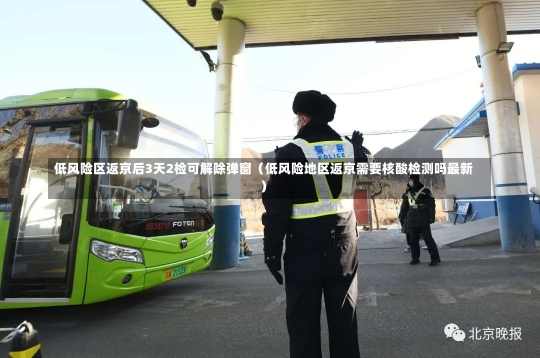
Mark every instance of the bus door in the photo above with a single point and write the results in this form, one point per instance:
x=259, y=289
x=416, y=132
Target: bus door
x=41, y=247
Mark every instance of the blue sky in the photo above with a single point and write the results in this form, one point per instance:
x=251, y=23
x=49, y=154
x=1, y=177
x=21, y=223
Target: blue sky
x=123, y=46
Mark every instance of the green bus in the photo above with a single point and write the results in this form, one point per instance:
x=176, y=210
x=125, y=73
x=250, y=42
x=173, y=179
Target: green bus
x=72, y=233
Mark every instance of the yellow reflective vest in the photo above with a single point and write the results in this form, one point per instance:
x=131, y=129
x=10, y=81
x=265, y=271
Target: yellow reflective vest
x=412, y=201
x=327, y=152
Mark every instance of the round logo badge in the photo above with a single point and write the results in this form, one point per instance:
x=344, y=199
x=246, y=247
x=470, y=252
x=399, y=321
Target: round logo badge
x=183, y=243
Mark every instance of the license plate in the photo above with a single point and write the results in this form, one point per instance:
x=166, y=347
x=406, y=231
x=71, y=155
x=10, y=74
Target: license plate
x=171, y=274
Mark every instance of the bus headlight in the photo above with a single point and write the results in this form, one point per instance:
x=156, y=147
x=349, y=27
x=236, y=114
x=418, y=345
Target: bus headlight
x=209, y=241
x=109, y=252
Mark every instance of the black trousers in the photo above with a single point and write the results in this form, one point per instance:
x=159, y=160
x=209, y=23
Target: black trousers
x=408, y=238
x=307, y=278
x=425, y=232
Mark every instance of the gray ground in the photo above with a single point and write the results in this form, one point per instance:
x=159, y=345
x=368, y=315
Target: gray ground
x=240, y=312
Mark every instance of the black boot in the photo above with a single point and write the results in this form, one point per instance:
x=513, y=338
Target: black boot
x=435, y=262
x=415, y=262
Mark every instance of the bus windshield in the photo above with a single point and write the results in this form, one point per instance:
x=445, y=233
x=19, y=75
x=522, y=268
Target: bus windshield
x=147, y=193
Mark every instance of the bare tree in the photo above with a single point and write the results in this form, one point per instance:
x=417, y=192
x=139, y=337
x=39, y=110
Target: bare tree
x=377, y=188
x=439, y=186
x=395, y=190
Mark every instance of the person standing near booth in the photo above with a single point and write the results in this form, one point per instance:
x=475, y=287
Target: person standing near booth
x=418, y=213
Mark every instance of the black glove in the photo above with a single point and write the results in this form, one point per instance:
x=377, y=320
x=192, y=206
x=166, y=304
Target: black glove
x=432, y=220
x=274, y=265
x=357, y=138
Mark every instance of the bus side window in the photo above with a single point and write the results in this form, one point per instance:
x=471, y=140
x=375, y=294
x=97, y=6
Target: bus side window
x=8, y=178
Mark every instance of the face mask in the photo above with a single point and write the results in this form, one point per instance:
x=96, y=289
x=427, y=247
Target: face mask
x=411, y=183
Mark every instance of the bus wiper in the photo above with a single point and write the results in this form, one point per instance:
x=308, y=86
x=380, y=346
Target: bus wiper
x=209, y=218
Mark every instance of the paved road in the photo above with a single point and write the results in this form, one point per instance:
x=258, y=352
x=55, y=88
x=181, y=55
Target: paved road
x=402, y=312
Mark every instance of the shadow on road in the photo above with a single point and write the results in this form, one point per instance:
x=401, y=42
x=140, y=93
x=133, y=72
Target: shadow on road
x=97, y=313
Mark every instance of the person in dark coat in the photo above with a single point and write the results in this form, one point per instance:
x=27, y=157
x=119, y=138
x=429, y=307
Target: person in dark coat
x=418, y=213
x=320, y=239
x=401, y=219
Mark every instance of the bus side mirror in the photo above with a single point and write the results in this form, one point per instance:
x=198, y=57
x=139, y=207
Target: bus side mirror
x=129, y=126
x=66, y=229
x=150, y=122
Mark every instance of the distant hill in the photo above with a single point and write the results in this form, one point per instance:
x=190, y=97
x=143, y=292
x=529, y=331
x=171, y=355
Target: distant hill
x=419, y=146
x=422, y=143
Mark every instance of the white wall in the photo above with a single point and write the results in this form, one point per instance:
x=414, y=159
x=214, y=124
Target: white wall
x=463, y=149
x=527, y=89
x=466, y=148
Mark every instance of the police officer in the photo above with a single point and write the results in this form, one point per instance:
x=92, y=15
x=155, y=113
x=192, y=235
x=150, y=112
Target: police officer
x=320, y=234
x=418, y=211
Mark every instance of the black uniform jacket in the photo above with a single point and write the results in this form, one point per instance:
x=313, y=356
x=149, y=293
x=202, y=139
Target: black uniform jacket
x=403, y=211
x=424, y=214
x=315, y=235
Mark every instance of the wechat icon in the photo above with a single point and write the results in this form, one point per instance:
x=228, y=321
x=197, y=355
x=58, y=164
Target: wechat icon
x=452, y=331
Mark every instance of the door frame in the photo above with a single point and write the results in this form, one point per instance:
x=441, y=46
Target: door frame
x=18, y=200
